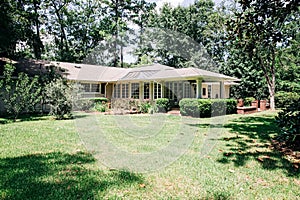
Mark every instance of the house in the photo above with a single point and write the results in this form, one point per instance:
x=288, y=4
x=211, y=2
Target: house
x=147, y=82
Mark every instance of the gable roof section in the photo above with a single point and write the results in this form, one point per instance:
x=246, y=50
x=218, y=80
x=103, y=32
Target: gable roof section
x=154, y=72
x=96, y=73
x=83, y=72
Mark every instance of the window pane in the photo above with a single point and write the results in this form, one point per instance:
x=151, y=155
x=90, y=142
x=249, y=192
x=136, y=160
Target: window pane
x=117, y=91
x=187, y=90
x=157, y=90
x=86, y=87
x=135, y=90
x=95, y=88
x=125, y=90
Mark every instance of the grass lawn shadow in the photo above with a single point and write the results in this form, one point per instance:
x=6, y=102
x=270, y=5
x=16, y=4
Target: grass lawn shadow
x=252, y=140
x=58, y=176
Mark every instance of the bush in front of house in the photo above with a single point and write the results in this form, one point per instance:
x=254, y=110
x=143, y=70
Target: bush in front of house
x=162, y=105
x=19, y=95
x=144, y=106
x=60, y=98
x=223, y=106
x=207, y=107
x=98, y=104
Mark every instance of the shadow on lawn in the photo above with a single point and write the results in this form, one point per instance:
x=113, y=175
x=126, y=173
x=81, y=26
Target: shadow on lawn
x=252, y=140
x=58, y=176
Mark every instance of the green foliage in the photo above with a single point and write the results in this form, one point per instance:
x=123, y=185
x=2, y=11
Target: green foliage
x=257, y=30
x=286, y=99
x=248, y=101
x=59, y=97
x=289, y=121
x=144, y=106
x=99, y=99
x=189, y=107
x=207, y=107
x=219, y=105
x=20, y=94
x=99, y=107
x=162, y=104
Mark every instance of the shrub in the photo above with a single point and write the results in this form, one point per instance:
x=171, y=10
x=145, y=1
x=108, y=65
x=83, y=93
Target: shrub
x=59, y=97
x=289, y=122
x=100, y=107
x=19, y=95
x=248, y=101
x=99, y=99
x=207, y=107
x=189, y=107
x=162, y=104
x=219, y=105
x=144, y=107
x=285, y=99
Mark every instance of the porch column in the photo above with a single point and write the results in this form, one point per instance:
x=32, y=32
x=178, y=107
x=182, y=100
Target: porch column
x=162, y=84
x=151, y=92
x=199, y=89
x=222, y=90
x=141, y=90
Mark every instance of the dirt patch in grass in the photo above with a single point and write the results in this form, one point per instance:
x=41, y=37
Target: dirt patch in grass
x=291, y=151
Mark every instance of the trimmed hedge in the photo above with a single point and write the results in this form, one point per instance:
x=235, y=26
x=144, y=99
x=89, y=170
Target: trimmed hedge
x=96, y=104
x=207, y=107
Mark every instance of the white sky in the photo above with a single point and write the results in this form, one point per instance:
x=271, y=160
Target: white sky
x=175, y=3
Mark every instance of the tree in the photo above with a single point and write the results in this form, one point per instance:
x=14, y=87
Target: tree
x=258, y=30
x=21, y=94
x=186, y=36
x=59, y=97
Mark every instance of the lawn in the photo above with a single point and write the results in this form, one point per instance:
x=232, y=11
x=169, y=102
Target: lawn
x=144, y=157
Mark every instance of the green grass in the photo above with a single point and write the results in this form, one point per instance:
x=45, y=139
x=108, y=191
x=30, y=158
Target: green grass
x=42, y=158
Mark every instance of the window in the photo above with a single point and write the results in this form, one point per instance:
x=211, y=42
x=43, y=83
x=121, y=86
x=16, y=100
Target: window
x=209, y=91
x=146, y=91
x=86, y=87
x=187, y=90
x=117, y=91
x=175, y=89
x=168, y=90
x=157, y=90
x=95, y=88
x=203, y=91
x=135, y=90
x=125, y=90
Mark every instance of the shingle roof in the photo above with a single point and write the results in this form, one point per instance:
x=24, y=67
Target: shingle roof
x=153, y=72
x=85, y=72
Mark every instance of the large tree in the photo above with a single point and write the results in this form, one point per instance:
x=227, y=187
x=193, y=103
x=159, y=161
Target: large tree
x=258, y=29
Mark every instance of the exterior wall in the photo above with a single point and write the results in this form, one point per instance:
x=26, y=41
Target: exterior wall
x=214, y=91
x=227, y=91
x=204, y=91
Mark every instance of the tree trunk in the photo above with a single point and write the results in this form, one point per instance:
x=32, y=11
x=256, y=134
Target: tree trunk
x=271, y=88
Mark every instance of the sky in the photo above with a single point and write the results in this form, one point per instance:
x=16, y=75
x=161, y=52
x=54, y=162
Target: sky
x=175, y=3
